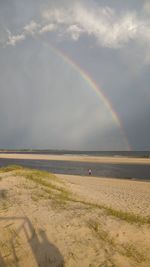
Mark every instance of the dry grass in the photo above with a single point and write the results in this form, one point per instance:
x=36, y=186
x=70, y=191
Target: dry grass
x=126, y=249
x=58, y=193
x=103, y=240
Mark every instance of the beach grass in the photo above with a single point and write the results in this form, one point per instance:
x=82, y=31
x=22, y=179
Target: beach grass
x=55, y=190
x=127, y=249
x=10, y=168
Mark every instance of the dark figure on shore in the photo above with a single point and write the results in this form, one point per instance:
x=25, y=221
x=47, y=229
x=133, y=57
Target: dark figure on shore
x=90, y=172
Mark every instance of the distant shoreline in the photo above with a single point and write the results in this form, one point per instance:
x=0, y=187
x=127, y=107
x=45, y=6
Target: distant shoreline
x=80, y=158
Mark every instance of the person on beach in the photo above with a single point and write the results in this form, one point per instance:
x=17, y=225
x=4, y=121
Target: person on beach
x=90, y=172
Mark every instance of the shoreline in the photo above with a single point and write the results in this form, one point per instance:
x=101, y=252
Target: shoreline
x=94, y=159
x=105, y=177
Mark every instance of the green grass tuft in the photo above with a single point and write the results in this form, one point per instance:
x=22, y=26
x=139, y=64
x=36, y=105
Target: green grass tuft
x=49, y=182
x=56, y=192
x=10, y=168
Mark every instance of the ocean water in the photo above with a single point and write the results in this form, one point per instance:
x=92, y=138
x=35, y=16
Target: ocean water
x=122, y=171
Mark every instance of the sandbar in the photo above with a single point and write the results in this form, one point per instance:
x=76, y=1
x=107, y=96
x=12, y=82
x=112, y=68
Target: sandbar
x=95, y=159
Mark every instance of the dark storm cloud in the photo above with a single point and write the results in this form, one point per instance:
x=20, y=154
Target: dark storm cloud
x=45, y=103
x=124, y=78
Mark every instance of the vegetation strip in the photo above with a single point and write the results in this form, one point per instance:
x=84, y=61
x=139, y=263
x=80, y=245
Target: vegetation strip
x=62, y=194
x=126, y=249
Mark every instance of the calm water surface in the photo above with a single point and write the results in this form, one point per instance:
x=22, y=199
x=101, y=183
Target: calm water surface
x=128, y=171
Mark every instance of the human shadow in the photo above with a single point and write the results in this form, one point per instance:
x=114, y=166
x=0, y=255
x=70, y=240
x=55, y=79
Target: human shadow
x=2, y=263
x=45, y=253
x=3, y=193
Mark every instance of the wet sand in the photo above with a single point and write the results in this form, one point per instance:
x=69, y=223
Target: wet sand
x=115, y=160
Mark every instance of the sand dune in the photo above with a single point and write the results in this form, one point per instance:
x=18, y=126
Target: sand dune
x=127, y=195
x=72, y=221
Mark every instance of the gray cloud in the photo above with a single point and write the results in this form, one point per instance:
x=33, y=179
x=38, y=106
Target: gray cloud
x=104, y=23
x=44, y=102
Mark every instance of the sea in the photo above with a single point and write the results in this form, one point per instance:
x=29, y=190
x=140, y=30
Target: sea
x=121, y=171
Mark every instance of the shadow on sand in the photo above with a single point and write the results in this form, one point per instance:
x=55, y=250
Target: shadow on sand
x=45, y=253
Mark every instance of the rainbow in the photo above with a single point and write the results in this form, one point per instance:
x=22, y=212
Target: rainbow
x=95, y=87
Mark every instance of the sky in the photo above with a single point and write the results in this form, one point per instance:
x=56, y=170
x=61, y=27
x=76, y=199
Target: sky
x=75, y=74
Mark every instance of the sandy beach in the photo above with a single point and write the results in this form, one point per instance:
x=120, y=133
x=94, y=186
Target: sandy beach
x=115, y=160
x=72, y=221
x=130, y=196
